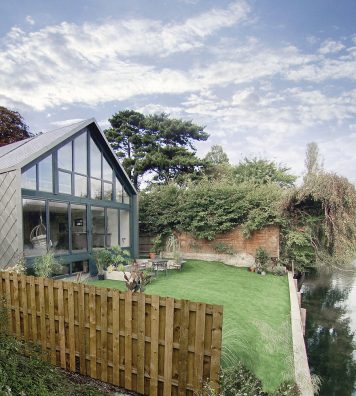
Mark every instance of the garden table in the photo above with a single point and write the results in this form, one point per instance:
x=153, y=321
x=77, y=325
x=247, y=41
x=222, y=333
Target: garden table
x=159, y=265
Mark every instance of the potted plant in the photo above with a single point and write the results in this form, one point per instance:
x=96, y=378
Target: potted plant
x=120, y=259
x=157, y=246
x=102, y=259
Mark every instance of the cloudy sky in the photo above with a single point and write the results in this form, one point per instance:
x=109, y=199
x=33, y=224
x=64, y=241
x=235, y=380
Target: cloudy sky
x=264, y=76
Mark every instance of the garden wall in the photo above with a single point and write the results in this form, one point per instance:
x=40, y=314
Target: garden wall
x=238, y=250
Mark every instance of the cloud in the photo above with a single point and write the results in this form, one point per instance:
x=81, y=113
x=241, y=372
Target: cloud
x=92, y=63
x=66, y=122
x=330, y=46
x=30, y=20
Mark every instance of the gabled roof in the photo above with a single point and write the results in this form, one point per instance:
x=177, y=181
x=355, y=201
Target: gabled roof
x=19, y=154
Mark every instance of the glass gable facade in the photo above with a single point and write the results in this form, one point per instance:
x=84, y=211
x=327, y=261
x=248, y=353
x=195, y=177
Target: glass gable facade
x=74, y=202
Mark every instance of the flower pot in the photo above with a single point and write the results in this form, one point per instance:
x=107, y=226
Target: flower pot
x=152, y=256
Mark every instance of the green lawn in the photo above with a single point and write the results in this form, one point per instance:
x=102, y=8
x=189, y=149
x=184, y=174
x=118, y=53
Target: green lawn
x=256, y=326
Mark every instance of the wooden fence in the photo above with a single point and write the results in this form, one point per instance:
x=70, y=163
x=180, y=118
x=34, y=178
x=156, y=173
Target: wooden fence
x=149, y=344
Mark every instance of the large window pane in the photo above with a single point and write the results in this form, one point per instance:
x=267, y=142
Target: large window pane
x=79, y=227
x=28, y=178
x=34, y=227
x=80, y=186
x=95, y=186
x=65, y=182
x=98, y=222
x=95, y=159
x=45, y=174
x=80, y=154
x=59, y=227
x=119, y=190
x=126, y=197
x=112, y=237
x=65, y=157
x=107, y=194
x=107, y=170
x=124, y=228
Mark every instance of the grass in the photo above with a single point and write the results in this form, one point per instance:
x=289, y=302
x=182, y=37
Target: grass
x=256, y=326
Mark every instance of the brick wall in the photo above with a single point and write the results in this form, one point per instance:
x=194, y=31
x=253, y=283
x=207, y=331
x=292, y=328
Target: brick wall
x=267, y=238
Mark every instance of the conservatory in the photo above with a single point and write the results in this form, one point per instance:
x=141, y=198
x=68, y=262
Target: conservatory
x=65, y=191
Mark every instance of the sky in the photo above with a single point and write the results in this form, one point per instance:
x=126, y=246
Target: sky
x=265, y=77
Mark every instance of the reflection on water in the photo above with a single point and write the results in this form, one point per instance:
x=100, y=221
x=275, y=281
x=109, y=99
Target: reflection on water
x=330, y=300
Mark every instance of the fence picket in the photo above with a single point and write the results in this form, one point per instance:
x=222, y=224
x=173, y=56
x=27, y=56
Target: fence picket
x=128, y=340
x=168, y=347
x=183, y=349
x=141, y=343
x=15, y=285
x=61, y=328
x=104, y=334
x=23, y=281
x=71, y=327
x=92, y=331
x=154, y=345
x=42, y=317
x=33, y=308
x=116, y=335
x=199, y=346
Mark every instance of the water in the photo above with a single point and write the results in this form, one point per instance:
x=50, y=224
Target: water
x=330, y=299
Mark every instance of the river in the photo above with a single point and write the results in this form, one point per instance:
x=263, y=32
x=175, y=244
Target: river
x=330, y=300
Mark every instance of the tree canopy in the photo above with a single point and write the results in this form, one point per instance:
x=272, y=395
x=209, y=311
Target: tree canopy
x=12, y=127
x=155, y=144
x=263, y=171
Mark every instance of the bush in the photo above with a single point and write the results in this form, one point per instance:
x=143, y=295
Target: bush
x=239, y=381
x=46, y=265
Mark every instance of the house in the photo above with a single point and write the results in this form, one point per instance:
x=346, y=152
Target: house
x=65, y=190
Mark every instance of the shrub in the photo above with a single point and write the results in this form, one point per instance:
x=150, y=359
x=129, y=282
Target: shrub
x=46, y=265
x=239, y=381
x=262, y=257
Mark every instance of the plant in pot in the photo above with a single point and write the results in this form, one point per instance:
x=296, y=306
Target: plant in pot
x=103, y=259
x=157, y=246
x=120, y=258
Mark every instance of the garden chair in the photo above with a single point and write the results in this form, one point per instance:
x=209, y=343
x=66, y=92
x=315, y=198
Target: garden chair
x=178, y=264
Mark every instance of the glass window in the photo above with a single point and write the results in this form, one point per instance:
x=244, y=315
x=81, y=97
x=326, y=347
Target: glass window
x=95, y=186
x=95, y=160
x=64, y=182
x=124, y=228
x=80, y=186
x=80, y=266
x=45, y=174
x=59, y=227
x=107, y=194
x=107, y=170
x=79, y=227
x=112, y=236
x=28, y=178
x=34, y=227
x=126, y=197
x=118, y=191
x=80, y=154
x=98, y=223
x=65, y=157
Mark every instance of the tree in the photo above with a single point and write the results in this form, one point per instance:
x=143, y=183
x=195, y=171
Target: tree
x=155, y=144
x=217, y=156
x=312, y=160
x=262, y=171
x=12, y=127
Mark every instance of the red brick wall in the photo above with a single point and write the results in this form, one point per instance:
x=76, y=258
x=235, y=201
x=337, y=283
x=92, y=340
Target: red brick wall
x=267, y=238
